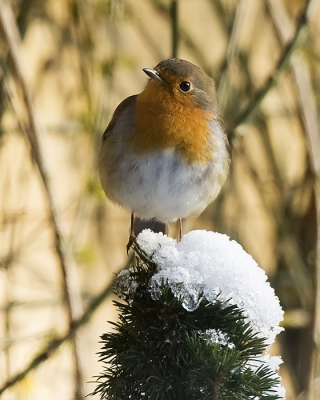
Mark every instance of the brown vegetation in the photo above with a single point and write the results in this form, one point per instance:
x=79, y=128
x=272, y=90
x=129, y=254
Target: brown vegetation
x=65, y=65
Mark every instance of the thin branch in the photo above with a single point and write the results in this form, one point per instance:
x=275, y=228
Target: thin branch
x=12, y=39
x=284, y=28
x=254, y=104
x=223, y=83
x=185, y=37
x=143, y=30
x=174, y=10
x=54, y=344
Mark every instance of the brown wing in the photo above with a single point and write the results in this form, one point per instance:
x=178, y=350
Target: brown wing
x=117, y=112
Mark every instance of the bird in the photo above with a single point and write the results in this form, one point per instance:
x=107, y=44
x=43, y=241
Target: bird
x=165, y=155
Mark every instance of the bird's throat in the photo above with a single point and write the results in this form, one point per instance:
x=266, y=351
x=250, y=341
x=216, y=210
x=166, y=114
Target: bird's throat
x=162, y=121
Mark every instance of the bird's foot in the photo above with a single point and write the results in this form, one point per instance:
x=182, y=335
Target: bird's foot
x=132, y=240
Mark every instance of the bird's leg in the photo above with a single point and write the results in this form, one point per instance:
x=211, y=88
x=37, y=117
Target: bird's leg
x=132, y=236
x=179, y=229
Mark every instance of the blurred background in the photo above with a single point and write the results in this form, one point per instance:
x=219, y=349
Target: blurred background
x=64, y=66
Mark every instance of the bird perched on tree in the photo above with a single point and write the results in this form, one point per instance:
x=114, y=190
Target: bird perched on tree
x=164, y=154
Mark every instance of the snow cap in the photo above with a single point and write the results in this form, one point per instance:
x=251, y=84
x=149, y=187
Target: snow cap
x=210, y=265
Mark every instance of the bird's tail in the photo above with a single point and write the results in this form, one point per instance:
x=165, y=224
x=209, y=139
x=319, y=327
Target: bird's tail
x=152, y=224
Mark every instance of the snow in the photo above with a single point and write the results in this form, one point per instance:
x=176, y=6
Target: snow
x=210, y=264
x=217, y=336
x=125, y=287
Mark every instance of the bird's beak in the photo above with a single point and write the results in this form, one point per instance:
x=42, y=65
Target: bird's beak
x=153, y=74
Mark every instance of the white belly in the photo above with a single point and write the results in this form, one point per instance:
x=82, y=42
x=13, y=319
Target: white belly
x=162, y=185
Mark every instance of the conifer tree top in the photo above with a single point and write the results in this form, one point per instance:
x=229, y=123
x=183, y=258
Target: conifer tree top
x=196, y=322
x=209, y=264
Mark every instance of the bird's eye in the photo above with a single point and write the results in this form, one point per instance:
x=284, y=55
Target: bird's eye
x=185, y=86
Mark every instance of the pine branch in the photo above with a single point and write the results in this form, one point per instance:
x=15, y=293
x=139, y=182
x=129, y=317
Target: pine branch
x=158, y=350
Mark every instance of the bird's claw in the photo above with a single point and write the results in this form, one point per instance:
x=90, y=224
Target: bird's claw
x=132, y=240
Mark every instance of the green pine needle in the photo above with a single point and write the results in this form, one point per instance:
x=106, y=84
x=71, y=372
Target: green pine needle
x=160, y=351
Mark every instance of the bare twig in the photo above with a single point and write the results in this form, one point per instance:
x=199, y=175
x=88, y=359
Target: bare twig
x=143, y=29
x=71, y=297
x=308, y=109
x=175, y=27
x=254, y=104
x=231, y=52
x=54, y=344
x=184, y=36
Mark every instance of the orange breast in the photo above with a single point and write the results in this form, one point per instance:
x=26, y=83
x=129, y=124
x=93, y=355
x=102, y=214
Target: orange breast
x=162, y=122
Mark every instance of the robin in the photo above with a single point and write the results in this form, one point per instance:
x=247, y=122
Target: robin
x=164, y=154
